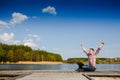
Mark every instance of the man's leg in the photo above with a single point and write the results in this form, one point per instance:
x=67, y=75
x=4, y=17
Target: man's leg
x=88, y=68
x=80, y=64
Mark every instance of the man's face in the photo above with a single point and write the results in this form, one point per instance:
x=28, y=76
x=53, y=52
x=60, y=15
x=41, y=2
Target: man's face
x=91, y=51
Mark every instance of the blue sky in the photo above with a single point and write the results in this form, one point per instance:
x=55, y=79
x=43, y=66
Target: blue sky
x=60, y=26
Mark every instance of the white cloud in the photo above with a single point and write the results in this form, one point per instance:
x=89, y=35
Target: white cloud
x=3, y=23
x=32, y=40
x=50, y=10
x=29, y=43
x=18, y=18
x=7, y=38
x=35, y=36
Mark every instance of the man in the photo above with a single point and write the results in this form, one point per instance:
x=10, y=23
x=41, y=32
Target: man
x=91, y=58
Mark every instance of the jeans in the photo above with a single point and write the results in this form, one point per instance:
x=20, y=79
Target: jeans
x=85, y=67
x=88, y=68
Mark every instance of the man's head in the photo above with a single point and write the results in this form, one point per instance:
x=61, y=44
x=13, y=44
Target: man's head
x=91, y=51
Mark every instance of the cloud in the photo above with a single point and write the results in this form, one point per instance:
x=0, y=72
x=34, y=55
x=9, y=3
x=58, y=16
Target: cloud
x=18, y=18
x=32, y=40
x=7, y=38
x=29, y=43
x=50, y=10
x=3, y=23
x=35, y=36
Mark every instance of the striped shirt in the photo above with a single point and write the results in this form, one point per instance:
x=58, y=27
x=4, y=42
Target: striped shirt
x=92, y=57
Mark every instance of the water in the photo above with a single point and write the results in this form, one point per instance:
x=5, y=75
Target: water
x=54, y=67
x=108, y=66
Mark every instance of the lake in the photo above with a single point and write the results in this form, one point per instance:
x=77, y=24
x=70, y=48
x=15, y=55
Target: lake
x=54, y=67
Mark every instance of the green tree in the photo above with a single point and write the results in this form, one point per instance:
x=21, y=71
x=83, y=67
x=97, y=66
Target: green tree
x=1, y=53
x=10, y=56
x=14, y=53
x=26, y=56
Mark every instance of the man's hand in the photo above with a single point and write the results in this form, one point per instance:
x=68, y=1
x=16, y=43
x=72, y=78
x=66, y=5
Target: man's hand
x=102, y=42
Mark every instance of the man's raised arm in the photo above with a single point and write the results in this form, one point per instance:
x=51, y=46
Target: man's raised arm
x=83, y=49
x=100, y=47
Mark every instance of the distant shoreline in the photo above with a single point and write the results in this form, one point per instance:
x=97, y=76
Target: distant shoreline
x=30, y=62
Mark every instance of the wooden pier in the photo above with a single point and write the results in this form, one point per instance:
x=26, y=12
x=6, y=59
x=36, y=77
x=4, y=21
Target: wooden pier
x=59, y=75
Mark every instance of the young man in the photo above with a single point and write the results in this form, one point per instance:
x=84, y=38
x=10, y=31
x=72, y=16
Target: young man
x=91, y=58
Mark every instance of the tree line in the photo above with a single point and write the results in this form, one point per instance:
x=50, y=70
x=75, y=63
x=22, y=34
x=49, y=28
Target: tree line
x=98, y=60
x=15, y=53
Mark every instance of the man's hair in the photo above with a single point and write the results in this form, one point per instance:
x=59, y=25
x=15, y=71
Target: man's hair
x=92, y=49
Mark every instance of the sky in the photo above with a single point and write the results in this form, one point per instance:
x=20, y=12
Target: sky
x=60, y=26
